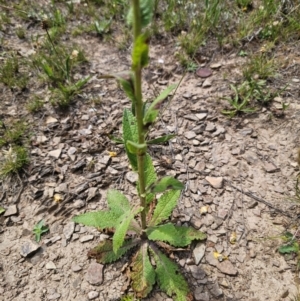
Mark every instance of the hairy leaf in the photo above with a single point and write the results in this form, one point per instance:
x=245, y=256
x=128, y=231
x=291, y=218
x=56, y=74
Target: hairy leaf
x=103, y=253
x=167, y=182
x=177, y=236
x=150, y=176
x=143, y=274
x=165, y=205
x=99, y=219
x=122, y=225
x=146, y=13
x=162, y=139
x=136, y=148
x=117, y=202
x=169, y=277
x=130, y=133
x=152, y=111
x=140, y=52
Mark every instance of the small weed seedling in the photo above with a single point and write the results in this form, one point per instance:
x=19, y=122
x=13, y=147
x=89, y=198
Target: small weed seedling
x=153, y=231
x=39, y=229
x=239, y=104
x=290, y=246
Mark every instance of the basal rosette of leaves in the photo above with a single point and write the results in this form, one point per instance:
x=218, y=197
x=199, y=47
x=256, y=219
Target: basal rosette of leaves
x=148, y=223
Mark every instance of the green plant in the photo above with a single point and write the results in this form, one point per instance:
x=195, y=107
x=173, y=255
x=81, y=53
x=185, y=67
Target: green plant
x=102, y=26
x=58, y=67
x=20, y=32
x=13, y=160
x=11, y=75
x=239, y=103
x=13, y=134
x=128, y=298
x=153, y=230
x=259, y=66
x=39, y=229
x=290, y=246
x=34, y=105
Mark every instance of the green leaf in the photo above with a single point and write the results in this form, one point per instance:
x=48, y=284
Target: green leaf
x=136, y=148
x=130, y=133
x=79, y=84
x=116, y=139
x=122, y=225
x=152, y=111
x=150, y=176
x=39, y=229
x=98, y=219
x=117, y=202
x=68, y=66
x=177, y=236
x=162, y=139
x=128, y=86
x=143, y=274
x=167, y=182
x=165, y=205
x=169, y=278
x=104, y=253
x=2, y=210
x=290, y=248
x=48, y=70
x=146, y=13
x=140, y=52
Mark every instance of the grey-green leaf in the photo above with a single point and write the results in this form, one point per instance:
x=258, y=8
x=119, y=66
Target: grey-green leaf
x=165, y=205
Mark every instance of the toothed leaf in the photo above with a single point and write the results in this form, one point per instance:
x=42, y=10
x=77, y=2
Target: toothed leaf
x=143, y=274
x=117, y=202
x=122, y=225
x=165, y=205
x=103, y=253
x=130, y=133
x=140, y=52
x=169, y=277
x=146, y=12
x=176, y=236
x=98, y=219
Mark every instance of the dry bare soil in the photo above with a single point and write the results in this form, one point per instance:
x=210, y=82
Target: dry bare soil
x=242, y=169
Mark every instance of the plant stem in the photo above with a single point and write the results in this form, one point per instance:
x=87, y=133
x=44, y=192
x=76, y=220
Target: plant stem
x=139, y=112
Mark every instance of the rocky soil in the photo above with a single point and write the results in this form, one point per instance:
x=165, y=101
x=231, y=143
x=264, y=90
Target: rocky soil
x=239, y=174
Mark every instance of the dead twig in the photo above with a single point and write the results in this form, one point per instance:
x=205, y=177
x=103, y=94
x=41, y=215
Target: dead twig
x=251, y=195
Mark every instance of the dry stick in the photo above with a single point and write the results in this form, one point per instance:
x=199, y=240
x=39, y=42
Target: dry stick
x=251, y=195
x=20, y=191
